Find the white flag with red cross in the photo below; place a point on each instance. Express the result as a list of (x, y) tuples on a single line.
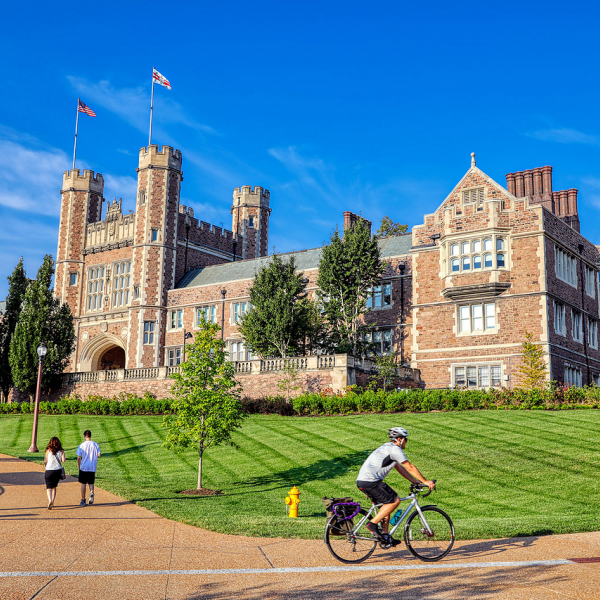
[(160, 79)]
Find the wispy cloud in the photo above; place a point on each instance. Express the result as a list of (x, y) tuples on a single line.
[(133, 104), (591, 191), (120, 186), (565, 136)]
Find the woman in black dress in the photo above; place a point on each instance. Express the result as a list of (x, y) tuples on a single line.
[(55, 455)]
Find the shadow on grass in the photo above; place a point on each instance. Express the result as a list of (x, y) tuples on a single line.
[(322, 470)]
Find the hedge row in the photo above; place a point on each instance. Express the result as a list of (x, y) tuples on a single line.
[(552, 398), (327, 403)]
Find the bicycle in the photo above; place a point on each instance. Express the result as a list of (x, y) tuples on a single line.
[(428, 532)]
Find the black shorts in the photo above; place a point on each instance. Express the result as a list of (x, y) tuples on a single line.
[(52, 478), (87, 477), (379, 491)]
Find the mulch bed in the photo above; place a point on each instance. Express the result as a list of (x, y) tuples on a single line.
[(201, 492)]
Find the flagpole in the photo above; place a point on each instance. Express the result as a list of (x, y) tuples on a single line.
[(76, 126), (151, 108)]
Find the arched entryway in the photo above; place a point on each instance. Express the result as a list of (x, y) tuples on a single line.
[(103, 352)]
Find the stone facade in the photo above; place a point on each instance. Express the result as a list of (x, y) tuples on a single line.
[(459, 292)]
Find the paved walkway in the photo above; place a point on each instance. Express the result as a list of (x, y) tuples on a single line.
[(118, 550)]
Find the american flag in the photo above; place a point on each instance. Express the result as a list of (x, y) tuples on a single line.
[(85, 109), (160, 79)]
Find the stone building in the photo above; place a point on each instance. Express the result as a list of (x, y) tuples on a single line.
[(459, 293)]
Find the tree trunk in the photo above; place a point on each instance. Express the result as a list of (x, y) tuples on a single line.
[(200, 471), (31, 398)]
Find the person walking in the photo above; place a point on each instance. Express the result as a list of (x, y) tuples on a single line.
[(87, 461), (53, 460)]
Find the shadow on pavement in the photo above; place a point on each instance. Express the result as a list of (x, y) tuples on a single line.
[(441, 584)]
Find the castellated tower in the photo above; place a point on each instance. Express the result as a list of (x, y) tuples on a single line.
[(154, 252), (81, 205), (250, 219)]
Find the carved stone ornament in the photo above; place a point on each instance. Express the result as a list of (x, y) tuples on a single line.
[(84, 336), (124, 332), (104, 327)]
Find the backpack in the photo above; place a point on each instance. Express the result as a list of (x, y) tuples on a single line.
[(338, 526)]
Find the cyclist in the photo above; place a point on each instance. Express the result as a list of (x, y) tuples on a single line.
[(376, 468)]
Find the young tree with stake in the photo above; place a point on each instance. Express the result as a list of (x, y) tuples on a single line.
[(206, 405)]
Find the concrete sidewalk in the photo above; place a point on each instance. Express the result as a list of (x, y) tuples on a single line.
[(118, 550)]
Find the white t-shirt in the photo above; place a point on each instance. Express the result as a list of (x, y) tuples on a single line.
[(53, 462), (89, 452)]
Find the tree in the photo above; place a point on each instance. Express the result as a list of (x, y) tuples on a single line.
[(349, 267), (316, 328), (206, 405), (42, 319), (533, 371), (388, 228), (288, 383), (276, 323), (17, 285), (386, 369)]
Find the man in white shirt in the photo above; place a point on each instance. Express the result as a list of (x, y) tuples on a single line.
[(87, 461)]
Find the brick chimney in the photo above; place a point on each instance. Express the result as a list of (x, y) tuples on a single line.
[(536, 184), (350, 219)]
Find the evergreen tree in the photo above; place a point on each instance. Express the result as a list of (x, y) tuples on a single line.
[(206, 405), (42, 319), (17, 285), (276, 323), (388, 228), (533, 371), (349, 267)]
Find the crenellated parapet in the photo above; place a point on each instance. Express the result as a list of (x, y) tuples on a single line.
[(74, 179), (205, 233), (168, 157)]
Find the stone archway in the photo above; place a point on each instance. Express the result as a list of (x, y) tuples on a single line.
[(100, 351)]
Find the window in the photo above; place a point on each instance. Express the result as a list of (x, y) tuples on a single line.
[(136, 292), (143, 198), (566, 266), (379, 296), (72, 278), (573, 376), (95, 288), (148, 332), (590, 281), (208, 313), (174, 357), (121, 281), (240, 309), (577, 325), (593, 333), (476, 317), (478, 376), (176, 319), (560, 322), (474, 196), (154, 235), (380, 341), (467, 256), (251, 222)]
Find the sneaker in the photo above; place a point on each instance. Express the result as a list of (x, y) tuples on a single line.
[(50, 505), (82, 503), (396, 542), (91, 500), (374, 529)]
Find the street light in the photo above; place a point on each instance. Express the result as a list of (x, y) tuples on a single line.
[(41, 352)]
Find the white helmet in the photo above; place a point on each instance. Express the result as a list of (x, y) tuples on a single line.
[(397, 432)]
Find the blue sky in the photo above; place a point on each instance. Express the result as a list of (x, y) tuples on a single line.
[(331, 105)]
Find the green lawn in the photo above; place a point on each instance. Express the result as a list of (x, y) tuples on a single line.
[(500, 473)]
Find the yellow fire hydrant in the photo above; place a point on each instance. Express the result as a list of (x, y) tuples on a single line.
[(292, 500)]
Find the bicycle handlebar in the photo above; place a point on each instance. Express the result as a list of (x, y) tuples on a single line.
[(418, 487)]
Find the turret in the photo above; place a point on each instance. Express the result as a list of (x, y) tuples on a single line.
[(250, 219), (81, 205), (154, 250)]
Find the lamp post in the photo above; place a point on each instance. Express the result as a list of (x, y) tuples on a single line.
[(223, 294), (186, 336), (41, 352)]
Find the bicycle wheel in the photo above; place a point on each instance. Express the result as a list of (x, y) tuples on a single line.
[(353, 547), (433, 543)]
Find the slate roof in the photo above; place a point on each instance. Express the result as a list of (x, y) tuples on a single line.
[(305, 260)]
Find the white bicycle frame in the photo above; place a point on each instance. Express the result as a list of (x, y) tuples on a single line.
[(375, 507)]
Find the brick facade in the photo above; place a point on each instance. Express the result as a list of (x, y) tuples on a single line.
[(459, 292)]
